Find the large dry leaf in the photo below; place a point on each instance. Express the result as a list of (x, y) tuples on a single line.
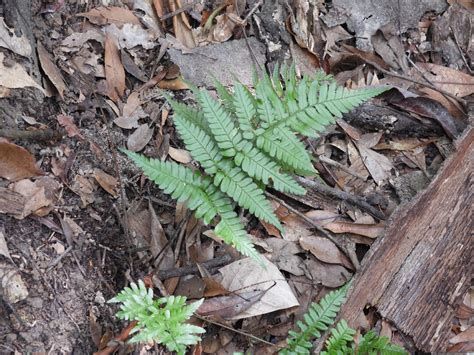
[(182, 32), (104, 15), (12, 286), (15, 77), (366, 230), (51, 70), (132, 111), (140, 138), (114, 72), (9, 40), (448, 79), (328, 275), (16, 162), (247, 275), (229, 307), (158, 242), (378, 165), (107, 182), (40, 195), (130, 36), (325, 250)]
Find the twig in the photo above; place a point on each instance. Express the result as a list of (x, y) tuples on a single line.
[(314, 225), (341, 195), (193, 269), (40, 134), (460, 51), (180, 10), (340, 166), (236, 331)]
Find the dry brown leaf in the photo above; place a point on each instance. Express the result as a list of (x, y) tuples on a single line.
[(181, 31), (160, 7), (378, 165), (51, 70), (240, 276), (158, 242), (104, 15), (85, 188), (68, 123), (40, 196), (16, 162), (465, 336), (229, 307), (180, 155), (9, 40), (367, 230), (223, 29), (328, 275), (114, 72), (174, 84), (140, 138), (15, 77), (325, 250), (447, 79), (107, 182), (131, 112)]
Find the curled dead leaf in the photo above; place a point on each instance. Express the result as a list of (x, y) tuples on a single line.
[(114, 72), (180, 155), (106, 181), (16, 162), (140, 138)]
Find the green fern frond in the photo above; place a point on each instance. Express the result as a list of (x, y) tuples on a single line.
[(318, 318), (245, 110), (371, 343), (200, 196), (342, 335), (230, 179), (161, 320)]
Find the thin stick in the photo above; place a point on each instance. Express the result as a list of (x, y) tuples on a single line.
[(340, 166), (314, 225), (237, 331), (193, 269), (40, 134)]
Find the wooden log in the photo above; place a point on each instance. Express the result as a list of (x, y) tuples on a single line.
[(419, 270)]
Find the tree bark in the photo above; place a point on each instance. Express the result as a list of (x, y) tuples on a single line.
[(417, 272)]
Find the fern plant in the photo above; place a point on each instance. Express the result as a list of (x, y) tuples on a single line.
[(320, 317), (247, 141), (162, 320)]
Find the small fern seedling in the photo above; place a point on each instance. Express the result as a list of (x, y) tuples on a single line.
[(247, 141), (162, 320)]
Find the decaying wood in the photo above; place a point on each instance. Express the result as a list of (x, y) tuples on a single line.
[(417, 272), (11, 202)]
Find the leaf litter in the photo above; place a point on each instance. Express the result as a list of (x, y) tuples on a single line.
[(118, 48)]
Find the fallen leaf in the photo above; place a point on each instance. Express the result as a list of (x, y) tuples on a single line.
[(16, 162), (180, 155), (229, 307), (181, 31), (378, 165), (447, 79), (174, 84), (148, 15), (366, 230), (15, 76), (246, 274), (140, 138), (12, 286), (130, 36), (158, 242), (107, 182), (223, 29), (131, 67), (76, 41), (40, 195), (51, 70), (3, 247), (104, 15), (68, 123), (85, 188), (9, 39), (131, 112), (329, 275), (465, 336), (114, 72), (325, 250)]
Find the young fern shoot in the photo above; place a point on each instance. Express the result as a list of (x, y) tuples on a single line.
[(246, 142)]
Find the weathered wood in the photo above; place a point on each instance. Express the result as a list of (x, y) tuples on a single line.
[(417, 272)]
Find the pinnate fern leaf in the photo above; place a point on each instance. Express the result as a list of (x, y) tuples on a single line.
[(318, 318), (341, 336), (162, 320), (371, 343)]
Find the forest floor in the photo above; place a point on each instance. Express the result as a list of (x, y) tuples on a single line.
[(78, 221)]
